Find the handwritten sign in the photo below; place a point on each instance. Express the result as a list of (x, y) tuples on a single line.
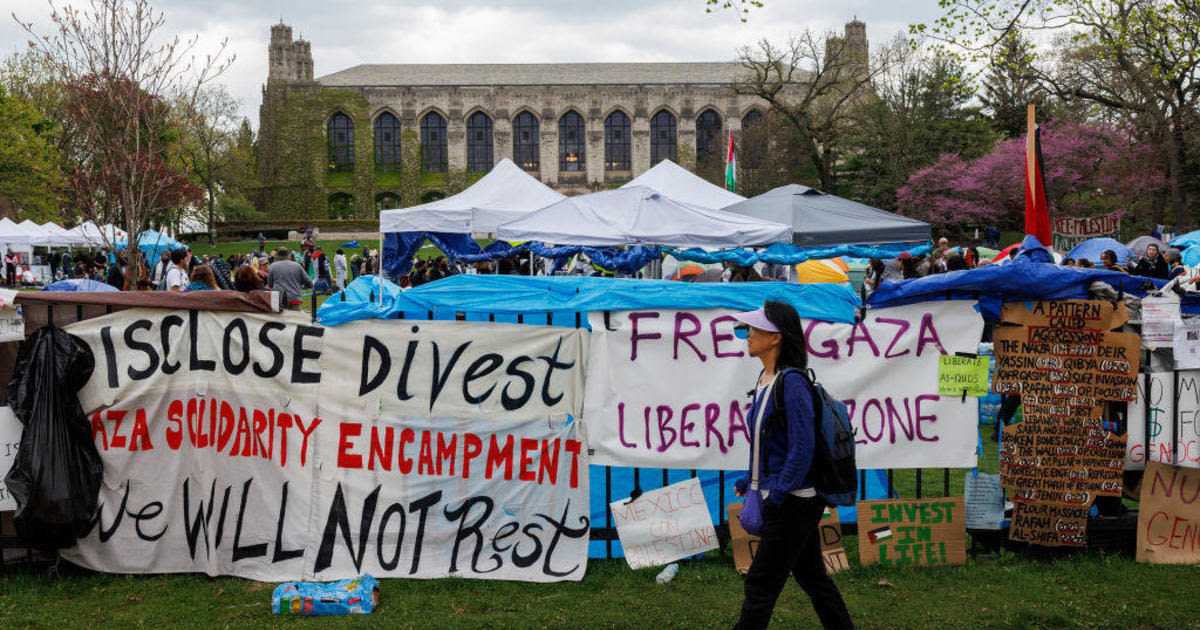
[(1067, 232), (667, 388), (917, 532), (235, 444), (664, 525), (962, 376), (10, 440), (1064, 362), (829, 533), (1168, 530)]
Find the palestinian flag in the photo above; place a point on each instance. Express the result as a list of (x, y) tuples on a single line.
[(1037, 209), (882, 533), (731, 167)]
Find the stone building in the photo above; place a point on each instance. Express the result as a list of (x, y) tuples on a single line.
[(381, 136)]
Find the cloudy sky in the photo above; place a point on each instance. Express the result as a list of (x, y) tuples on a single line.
[(346, 33)]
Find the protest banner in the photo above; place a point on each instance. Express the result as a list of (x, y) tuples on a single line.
[(1159, 414), (962, 376), (10, 441), (227, 450), (1067, 232), (829, 533), (664, 525), (904, 532), (1064, 362), (1168, 529), (669, 388)]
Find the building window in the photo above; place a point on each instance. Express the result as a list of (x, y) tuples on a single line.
[(708, 139), (663, 141), (386, 201), (616, 142), (341, 206), (341, 144), (526, 144), (571, 146), (387, 143), (479, 143), (433, 143), (751, 118)]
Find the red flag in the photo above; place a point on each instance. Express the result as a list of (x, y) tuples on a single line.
[(1037, 210)]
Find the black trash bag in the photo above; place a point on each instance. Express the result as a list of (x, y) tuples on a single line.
[(55, 478)]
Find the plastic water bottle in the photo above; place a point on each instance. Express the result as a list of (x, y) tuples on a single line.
[(667, 574)]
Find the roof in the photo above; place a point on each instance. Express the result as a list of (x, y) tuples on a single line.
[(464, 74)]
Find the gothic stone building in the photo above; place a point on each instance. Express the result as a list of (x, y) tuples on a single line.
[(372, 137)]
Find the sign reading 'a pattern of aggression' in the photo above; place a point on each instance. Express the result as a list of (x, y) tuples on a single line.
[(905, 532), (1064, 362)]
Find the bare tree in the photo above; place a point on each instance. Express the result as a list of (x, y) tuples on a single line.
[(817, 84), (207, 151), (123, 80)]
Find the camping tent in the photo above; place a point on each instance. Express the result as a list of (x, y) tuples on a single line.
[(1093, 247), (637, 216), (680, 184), (504, 194), (1140, 244), (153, 244), (819, 219)]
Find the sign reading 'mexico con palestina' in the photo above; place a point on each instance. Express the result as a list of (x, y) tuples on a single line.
[(1063, 360), (265, 447)]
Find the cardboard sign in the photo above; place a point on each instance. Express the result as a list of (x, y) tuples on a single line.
[(667, 388), (10, 441), (829, 532), (962, 376), (1065, 363), (664, 525), (1168, 530), (904, 532)]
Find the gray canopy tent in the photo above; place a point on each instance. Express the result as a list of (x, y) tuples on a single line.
[(820, 220)]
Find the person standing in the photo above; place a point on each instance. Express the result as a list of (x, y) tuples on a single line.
[(10, 268), (289, 278), (178, 275), (340, 268), (784, 440)]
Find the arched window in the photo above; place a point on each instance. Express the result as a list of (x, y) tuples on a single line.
[(708, 139), (341, 206), (751, 118), (526, 145), (387, 143), (572, 150), (341, 144), (386, 201), (479, 143), (616, 142), (432, 195), (663, 141), (433, 143)]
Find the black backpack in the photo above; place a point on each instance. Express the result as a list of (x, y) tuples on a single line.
[(833, 472)]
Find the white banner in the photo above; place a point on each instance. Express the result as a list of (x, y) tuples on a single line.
[(10, 441), (1173, 416), (670, 388), (664, 525), (229, 448)]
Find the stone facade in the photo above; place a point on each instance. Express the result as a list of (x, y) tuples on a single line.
[(298, 179)]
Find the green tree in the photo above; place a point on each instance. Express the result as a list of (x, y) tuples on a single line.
[(30, 177)]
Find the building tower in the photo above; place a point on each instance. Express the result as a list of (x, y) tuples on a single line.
[(856, 41), (289, 60)]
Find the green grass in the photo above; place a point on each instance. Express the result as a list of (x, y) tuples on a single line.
[(1083, 591)]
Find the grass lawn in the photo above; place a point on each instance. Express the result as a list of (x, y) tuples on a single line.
[(1082, 591)]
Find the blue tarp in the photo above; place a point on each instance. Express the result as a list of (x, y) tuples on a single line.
[(79, 284), (996, 284), (788, 254), (1191, 256), (399, 248), (1093, 247), (153, 244), (1186, 240), (359, 300), (562, 294)]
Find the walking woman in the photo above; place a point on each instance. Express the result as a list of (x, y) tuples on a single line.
[(784, 448)]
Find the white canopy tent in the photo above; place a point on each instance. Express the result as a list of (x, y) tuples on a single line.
[(67, 237), (42, 237), (13, 237), (92, 235), (505, 194), (640, 216), (680, 184)]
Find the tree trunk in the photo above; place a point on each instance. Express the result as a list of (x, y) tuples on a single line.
[(1176, 162)]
